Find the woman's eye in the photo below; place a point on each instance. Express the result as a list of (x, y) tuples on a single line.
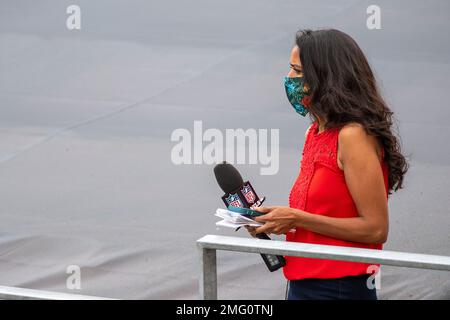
[(296, 70)]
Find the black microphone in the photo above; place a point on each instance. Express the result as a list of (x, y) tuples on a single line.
[(241, 194)]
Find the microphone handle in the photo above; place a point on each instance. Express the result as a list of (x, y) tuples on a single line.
[(272, 262)]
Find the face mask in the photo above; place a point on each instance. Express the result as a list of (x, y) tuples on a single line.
[(297, 94)]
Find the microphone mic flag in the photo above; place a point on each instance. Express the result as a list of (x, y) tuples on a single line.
[(237, 192), (241, 194)]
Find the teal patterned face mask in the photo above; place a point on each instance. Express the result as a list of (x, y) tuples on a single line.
[(297, 94)]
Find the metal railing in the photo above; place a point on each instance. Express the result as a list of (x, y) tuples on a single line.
[(209, 244), (14, 293)]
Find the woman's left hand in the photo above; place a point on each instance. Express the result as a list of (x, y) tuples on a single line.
[(278, 219)]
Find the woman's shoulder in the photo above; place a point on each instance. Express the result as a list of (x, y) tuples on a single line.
[(354, 133), (352, 129)]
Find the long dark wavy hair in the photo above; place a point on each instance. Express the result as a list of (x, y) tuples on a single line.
[(343, 89)]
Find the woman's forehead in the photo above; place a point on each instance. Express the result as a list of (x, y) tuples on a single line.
[(295, 55)]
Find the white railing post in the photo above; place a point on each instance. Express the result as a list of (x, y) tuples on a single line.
[(208, 273)]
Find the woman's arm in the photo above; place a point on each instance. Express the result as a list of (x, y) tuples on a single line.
[(365, 182)]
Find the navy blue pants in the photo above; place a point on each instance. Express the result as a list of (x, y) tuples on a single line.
[(346, 288)]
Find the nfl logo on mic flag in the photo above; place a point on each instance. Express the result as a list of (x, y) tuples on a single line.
[(243, 197), (233, 200), (249, 194)]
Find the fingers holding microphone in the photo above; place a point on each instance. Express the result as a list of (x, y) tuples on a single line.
[(251, 230)]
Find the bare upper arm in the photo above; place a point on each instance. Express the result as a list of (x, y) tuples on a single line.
[(363, 173)]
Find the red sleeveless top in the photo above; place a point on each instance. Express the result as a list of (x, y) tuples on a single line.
[(321, 189)]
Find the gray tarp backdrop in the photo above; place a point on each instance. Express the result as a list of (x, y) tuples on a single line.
[(86, 116)]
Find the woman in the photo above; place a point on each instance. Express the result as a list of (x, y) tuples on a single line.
[(351, 162)]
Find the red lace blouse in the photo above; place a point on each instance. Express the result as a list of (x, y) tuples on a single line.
[(321, 189)]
